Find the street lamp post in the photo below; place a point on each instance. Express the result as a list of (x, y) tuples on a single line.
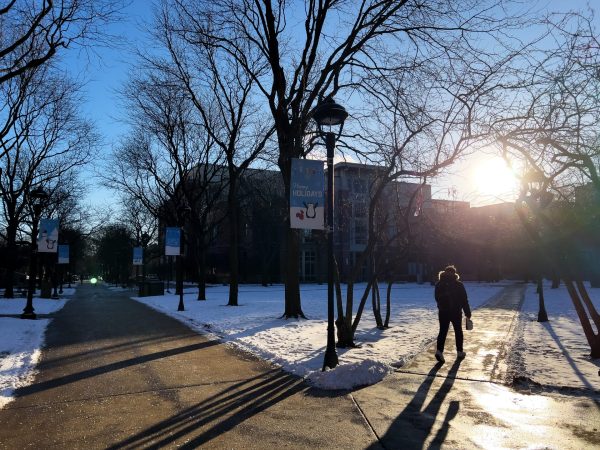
[(182, 213), (537, 198), (145, 239), (330, 114), (38, 198)]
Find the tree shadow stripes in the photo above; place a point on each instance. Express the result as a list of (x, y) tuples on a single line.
[(221, 412)]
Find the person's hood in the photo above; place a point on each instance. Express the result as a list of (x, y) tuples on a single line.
[(448, 276)]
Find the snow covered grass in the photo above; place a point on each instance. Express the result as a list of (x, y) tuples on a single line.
[(21, 341), (555, 352), (298, 345)]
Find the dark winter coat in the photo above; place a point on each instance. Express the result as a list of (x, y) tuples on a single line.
[(451, 295)]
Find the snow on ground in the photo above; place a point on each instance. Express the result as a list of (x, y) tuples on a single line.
[(298, 345), (21, 341), (556, 352)]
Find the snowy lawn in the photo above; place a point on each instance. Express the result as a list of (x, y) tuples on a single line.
[(21, 341), (298, 345), (555, 352)]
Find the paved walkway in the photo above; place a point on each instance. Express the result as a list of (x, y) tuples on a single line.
[(465, 403), (116, 374)]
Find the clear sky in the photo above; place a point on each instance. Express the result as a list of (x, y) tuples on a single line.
[(105, 70)]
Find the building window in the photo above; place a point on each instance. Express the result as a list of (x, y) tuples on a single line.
[(307, 236), (359, 186), (308, 266), (360, 232)]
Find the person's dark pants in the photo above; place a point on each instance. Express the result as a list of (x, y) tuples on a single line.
[(445, 320)]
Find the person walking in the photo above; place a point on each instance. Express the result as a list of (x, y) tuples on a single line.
[(451, 299)]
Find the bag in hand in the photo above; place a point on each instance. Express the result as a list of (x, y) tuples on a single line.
[(469, 324)]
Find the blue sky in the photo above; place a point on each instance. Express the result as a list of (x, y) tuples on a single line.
[(105, 70)]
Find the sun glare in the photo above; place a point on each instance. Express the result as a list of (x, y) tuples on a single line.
[(493, 178)]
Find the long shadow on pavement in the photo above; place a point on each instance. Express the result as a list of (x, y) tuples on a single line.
[(71, 378), (217, 414), (414, 424)]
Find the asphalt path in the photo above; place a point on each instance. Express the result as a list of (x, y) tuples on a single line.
[(117, 374)]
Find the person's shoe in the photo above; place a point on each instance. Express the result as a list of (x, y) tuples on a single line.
[(460, 355), (439, 356)]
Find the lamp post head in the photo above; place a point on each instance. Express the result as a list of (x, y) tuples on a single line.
[(38, 195), (329, 113), (535, 186), (38, 198), (183, 212)]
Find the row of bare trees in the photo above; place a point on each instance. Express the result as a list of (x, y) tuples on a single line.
[(235, 82), (550, 130), (44, 140)]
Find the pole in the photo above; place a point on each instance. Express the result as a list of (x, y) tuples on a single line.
[(28, 311), (331, 358), (179, 287), (60, 279)]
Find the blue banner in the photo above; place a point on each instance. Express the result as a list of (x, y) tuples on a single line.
[(63, 254), (172, 239), (307, 194), (47, 241), (138, 256)]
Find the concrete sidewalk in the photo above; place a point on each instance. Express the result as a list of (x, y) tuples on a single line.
[(467, 403)]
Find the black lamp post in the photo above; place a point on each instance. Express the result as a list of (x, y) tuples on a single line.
[(182, 214), (145, 240), (38, 198), (537, 198), (329, 114)]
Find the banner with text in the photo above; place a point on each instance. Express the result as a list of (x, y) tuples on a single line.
[(48, 236), (307, 196), (172, 237), (63, 254), (138, 256)]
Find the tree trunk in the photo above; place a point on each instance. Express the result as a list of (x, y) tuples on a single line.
[(9, 280), (201, 275), (588, 302), (592, 338), (542, 315), (11, 253), (555, 280), (375, 300), (233, 243), (347, 327), (293, 305), (388, 303)]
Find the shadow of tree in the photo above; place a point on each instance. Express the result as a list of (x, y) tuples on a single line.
[(218, 413), (413, 425), (78, 376)]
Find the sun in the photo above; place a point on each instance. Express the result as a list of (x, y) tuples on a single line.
[(493, 178)]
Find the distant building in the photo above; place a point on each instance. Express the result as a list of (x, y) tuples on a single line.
[(419, 235)]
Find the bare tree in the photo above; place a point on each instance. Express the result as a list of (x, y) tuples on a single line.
[(170, 161), (32, 33), (44, 147), (222, 93), (328, 48), (550, 130)]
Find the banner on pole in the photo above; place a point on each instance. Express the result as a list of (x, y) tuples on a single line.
[(63, 254), (172, 239), (307, 196), (138, 256), (48, 236)]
